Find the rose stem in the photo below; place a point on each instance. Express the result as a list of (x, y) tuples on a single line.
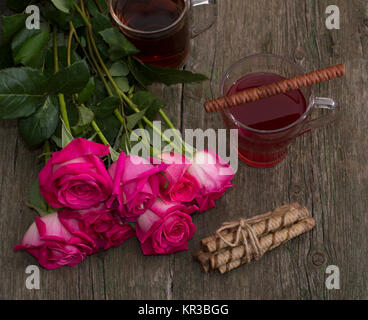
[(63, 111), (68, 59), (98, 70), (117, 89), (47, 151)]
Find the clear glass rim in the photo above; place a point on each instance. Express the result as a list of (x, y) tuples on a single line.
[(260, 55), (141, 32)]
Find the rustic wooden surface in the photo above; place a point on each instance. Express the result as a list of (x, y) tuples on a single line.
[(325, 170)]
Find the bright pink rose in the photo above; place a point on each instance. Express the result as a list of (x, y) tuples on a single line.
[(118, 234), (165, 228), (177, 185), (76, 177), (103, 225), (214, 176), (53, 245), (135, 185)]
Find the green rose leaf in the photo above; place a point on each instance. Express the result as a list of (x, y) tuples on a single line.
[(86, 116), (62, 55), (122, 83), (21, 37), (36, 201), (106, 107), (114, 154), (119, 69), (110, 128), (11, 25), (63, 5), (31, 49), (119, 45), (41, 125), (87, 92), (66, 136), (22, 92), (92, 8), (146, 74), (133, 119), (70, 80), (148, 100), (100, 22)]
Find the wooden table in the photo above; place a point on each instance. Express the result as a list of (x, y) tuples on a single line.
[(326, 170)]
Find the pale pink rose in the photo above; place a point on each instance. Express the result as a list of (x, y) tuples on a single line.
[(102, 224), (214, 176), (135, 185), (53, 245), (76, 177), (176, 184), (165, 228)]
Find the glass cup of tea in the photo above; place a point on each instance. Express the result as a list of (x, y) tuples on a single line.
[(160, 29), (267, 127)]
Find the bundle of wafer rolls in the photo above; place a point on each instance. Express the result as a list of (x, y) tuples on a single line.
[(241, 241)]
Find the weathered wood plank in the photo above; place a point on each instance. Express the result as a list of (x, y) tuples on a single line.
[(321, 170)]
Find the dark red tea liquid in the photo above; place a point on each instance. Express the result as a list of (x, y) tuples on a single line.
[(167, 48), (268, 114), (267, 148)]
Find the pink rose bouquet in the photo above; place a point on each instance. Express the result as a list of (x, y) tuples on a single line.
[(98, 204)]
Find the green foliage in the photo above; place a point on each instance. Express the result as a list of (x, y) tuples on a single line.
[(21, 92), (147, 100), (119, 45), (32, 92), (72, 79), (147, 74), (41, 125), (11, 25), (87, 92), (63, 5), (36, 201)]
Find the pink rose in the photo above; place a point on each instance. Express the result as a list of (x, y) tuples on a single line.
[(118, 234), (176, 184), (165, 228), (135, 185), (76, 177), (53, 245), (103, 225), (214, 176)]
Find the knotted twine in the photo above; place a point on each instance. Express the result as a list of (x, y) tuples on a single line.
[(245, 230)]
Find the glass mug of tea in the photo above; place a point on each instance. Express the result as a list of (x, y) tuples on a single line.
[(267, 127), (160, 29)]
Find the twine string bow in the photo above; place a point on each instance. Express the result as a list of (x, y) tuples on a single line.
[(244, 231)]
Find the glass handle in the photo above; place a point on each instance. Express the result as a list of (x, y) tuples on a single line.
[(323, 103), (213, 17)]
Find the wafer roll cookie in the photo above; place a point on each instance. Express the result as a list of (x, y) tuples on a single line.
[(271, 241), (278, 218), (204, 260)]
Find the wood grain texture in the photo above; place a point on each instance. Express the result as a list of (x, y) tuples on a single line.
[(326, 170)]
